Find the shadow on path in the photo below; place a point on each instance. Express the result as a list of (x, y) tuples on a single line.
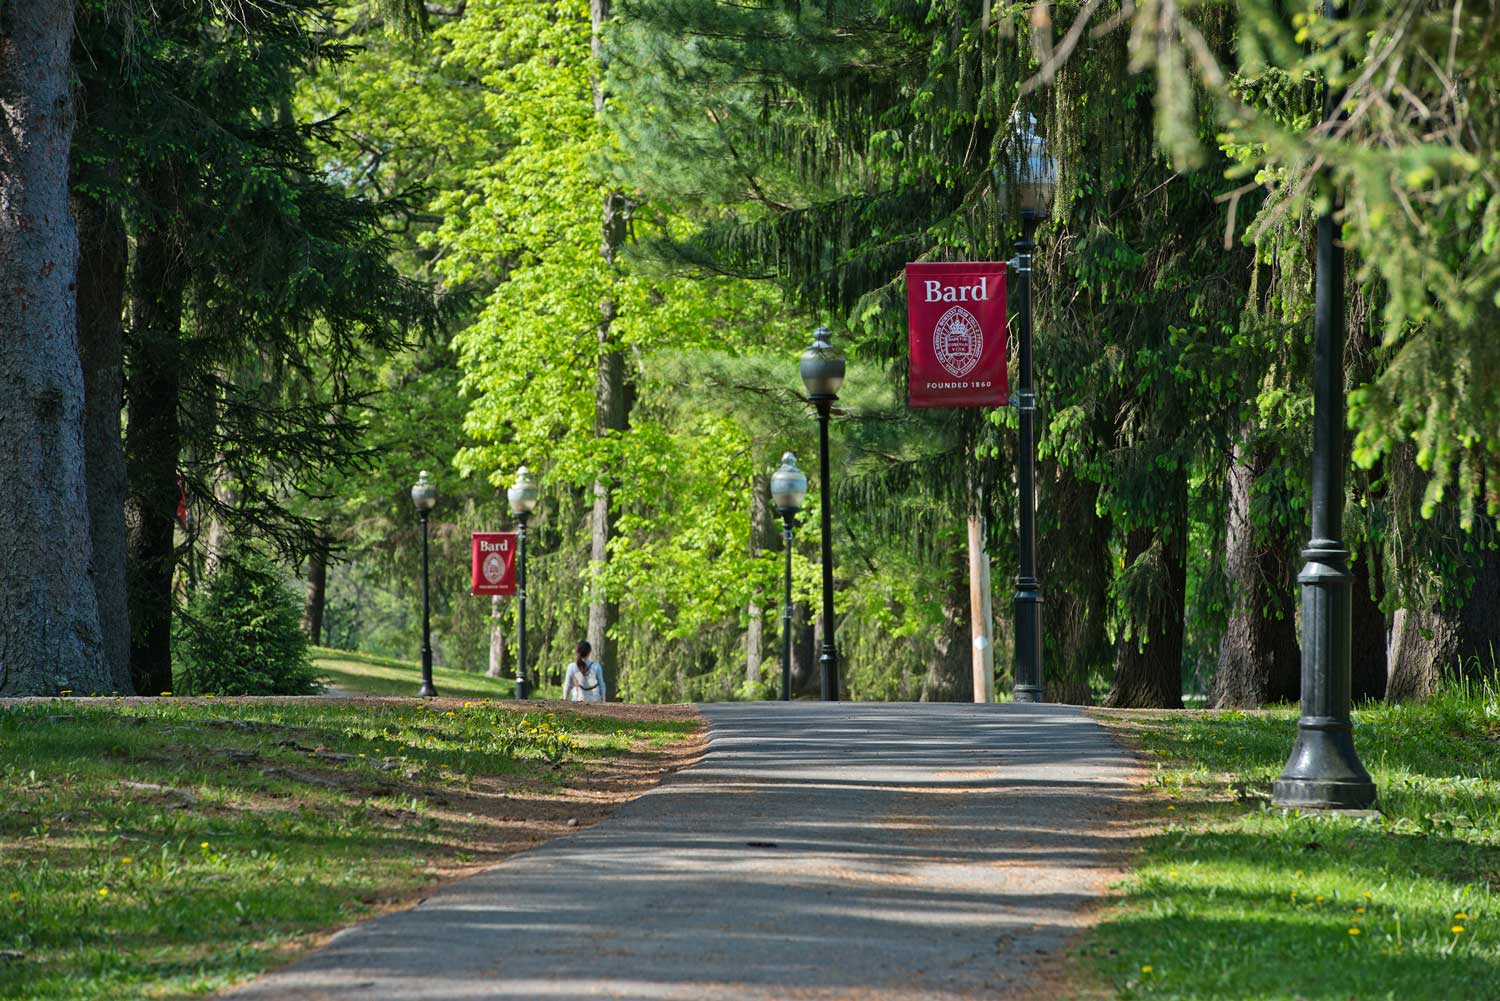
[(819, 851)]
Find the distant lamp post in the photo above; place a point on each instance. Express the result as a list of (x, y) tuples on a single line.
[(1324, 770), (788, 488), (1035, 185), (424, 496), (822, 374), (523, 496)]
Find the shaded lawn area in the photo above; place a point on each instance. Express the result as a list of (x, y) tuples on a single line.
[(1236, 900), (171, 848), (364, 674)]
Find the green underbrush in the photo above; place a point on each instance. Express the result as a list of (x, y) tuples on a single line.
[(1235, 899), (172, 848)]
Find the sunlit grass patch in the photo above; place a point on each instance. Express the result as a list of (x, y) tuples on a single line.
[(1235, 899)]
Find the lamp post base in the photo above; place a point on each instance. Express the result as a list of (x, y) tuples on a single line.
[(426, 691), (1324, 772), (1026, 693)]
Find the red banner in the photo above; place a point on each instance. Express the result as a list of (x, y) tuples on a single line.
[(956, 319), (494, 563)]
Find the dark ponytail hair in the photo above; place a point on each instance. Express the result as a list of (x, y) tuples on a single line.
[(583, 650)]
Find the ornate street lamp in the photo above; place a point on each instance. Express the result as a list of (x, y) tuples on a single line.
[(822, 374), (424, 496), (523, 496), (788, 488), (1324, 770), (1035, 185)]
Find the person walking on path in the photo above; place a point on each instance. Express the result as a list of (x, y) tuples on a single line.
[(584, 681)]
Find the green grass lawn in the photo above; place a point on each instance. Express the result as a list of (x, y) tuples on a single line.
[(1236, 900), (368, 675), (171, 848)]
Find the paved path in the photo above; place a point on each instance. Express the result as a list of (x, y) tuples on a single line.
[(859, 851)]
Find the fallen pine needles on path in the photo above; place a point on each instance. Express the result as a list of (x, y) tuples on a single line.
[(165, 847)]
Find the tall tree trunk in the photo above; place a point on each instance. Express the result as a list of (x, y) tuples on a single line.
[(762, 537), (806, 645), (981, 612), (950, 675), (1369, 632), (611, 403), (317, 591), (1434, 644), (151, 453), (499, 651), (101, 304), (49, 617), (1259, 660), (1075, 548), (1148, 668)]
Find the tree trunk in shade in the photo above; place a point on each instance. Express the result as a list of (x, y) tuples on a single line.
[(763, 536), (1429, 646), (1369, 632), (152, 446), (101, 304), (1148, 670), (1259, 659), (317, 592), (499, 648), (49, 614), (950, 674), (1074, 545)]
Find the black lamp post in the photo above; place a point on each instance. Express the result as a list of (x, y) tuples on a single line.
[(823, 373), (788, 488), (424, 496), (1038, 178), (523, 496), (1324, 770)]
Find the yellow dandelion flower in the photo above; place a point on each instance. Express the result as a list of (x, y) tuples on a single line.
[(203, 844), (1299, 872), (103, 891), (1460, 916), (1173, 874), (1368, 895), (1171, 808), (1457, 929), (361, 755), (1146, 969), (15, 897), (1353, 931), (1359, 910), (126, 860), (1319, 898)]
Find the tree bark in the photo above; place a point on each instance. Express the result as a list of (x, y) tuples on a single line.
[(49, 618), (763, 536), (806, 645), (1369, 632), (611, 403), (1075, 547), (317, 592), (152, 444), (1259, 659), (1148, 667), (950, 675), (1429, 646), (499, 650), (981, 613), (101, 304)]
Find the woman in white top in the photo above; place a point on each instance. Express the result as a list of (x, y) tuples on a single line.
[(584, 681)]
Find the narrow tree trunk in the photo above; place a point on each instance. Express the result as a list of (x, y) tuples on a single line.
[(806, 645), (1074, 557), (49, 617), (1431, 645), (762, 537), (317, 592), (1259, 660), (1369, 632), (151, 453), (499, 651), (101, 303), (611, 405), (950, 676), (981, 614), (1148, 669)]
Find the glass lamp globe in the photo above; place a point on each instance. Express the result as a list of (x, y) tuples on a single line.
[(524, 493), (788, 486), (424, 493), (822, 367)]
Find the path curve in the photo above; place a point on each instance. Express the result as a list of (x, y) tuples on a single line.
[(819, 851)]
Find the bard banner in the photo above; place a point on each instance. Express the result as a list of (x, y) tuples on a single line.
[(494, 563), (956, 317)]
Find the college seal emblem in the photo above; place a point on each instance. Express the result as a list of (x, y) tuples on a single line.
[(494, 568), (958, 341)]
